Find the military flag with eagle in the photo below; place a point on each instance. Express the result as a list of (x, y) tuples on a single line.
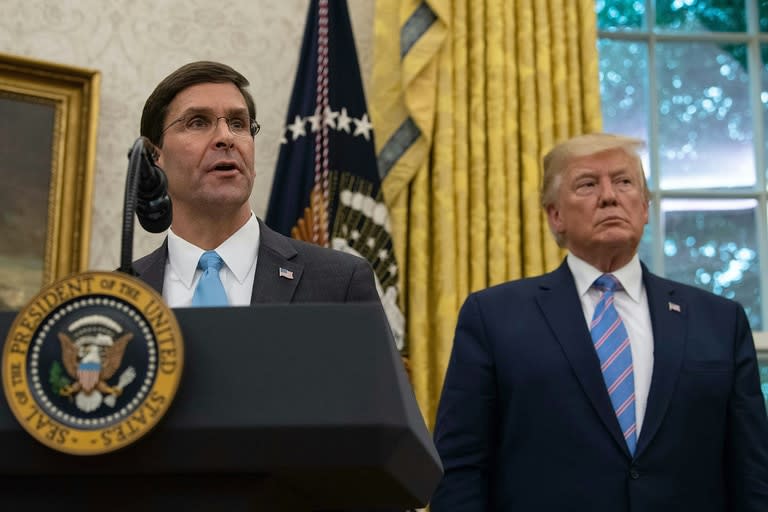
[(327, 188)]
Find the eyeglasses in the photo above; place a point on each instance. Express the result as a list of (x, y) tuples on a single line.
[(205, 124)]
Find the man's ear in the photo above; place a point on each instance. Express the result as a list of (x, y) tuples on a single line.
[(150, 148), (157, 155), (645, 213), (554, 218)]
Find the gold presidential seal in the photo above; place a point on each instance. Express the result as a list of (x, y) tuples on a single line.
[(92, 363)]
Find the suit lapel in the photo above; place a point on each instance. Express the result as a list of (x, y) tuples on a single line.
[(151, 268), (275, 253), (668, 320), (559, 301)]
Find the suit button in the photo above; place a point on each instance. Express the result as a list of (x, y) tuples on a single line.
[(634, 474)]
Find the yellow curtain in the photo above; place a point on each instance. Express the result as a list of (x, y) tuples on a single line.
[(467, 96)]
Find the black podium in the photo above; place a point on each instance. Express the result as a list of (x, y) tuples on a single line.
[(300, 407)]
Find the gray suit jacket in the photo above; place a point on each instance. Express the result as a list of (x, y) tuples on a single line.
[(319, 274)]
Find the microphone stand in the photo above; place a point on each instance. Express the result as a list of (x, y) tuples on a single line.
[(135, 155)]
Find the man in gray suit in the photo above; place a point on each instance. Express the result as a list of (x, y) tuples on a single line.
[(202, 121)]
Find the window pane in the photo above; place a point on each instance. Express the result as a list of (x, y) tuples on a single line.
[(620, 14), (701, 15), (712, 244), (762, 6), (705, 120), (645, 250), (764, 91), (763, 360), (624, 89)]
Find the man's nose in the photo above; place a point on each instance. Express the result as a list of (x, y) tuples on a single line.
[(223, 136), (607, 192)]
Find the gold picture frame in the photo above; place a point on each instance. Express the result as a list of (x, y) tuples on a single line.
[(48, 122)]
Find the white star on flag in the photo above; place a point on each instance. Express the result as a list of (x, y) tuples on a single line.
[(330, 117), (363, 127), (314, 120), (297, 127), (344, 120)]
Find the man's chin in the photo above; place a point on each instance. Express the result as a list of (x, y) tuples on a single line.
[(621, 240), (223, 201)]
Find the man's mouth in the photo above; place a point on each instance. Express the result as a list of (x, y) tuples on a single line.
[(225, 166), (610, 220)]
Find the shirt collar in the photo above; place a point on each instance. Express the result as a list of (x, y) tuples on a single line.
[(238, 252), (630, 276)]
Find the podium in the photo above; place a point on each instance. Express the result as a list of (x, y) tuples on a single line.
[(280, 407)]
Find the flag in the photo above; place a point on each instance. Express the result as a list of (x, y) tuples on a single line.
[(326, 188)]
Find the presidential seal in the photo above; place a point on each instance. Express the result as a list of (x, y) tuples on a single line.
[(92, 363)]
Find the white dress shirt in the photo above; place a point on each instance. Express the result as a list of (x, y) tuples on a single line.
[(632, 305), (239, 253)]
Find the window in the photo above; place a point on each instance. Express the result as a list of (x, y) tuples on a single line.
[(691, 78), (763, 363)]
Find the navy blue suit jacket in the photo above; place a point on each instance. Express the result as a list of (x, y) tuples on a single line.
[(525, 422)]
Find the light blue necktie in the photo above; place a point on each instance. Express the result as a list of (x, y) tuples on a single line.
[(210, 291), (612, 345)]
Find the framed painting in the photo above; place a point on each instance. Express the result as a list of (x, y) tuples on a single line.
[(48, 121)]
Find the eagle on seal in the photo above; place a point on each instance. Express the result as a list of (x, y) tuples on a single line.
[(91, 360)]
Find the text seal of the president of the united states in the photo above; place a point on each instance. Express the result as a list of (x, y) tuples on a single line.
[(92, 362)]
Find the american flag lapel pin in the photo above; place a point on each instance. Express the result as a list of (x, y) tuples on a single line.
[(284, 272), (674, 307)]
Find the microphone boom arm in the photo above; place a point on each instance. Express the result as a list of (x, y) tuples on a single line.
[(146, 195)]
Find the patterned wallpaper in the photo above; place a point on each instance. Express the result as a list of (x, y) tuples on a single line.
[(135, 43)]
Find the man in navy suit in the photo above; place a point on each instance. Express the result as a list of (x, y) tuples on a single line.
[(535, 415)]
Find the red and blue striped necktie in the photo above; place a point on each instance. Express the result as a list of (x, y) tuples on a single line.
[(612, 345)]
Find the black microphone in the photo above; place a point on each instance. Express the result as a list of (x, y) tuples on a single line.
[(153, 205)]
